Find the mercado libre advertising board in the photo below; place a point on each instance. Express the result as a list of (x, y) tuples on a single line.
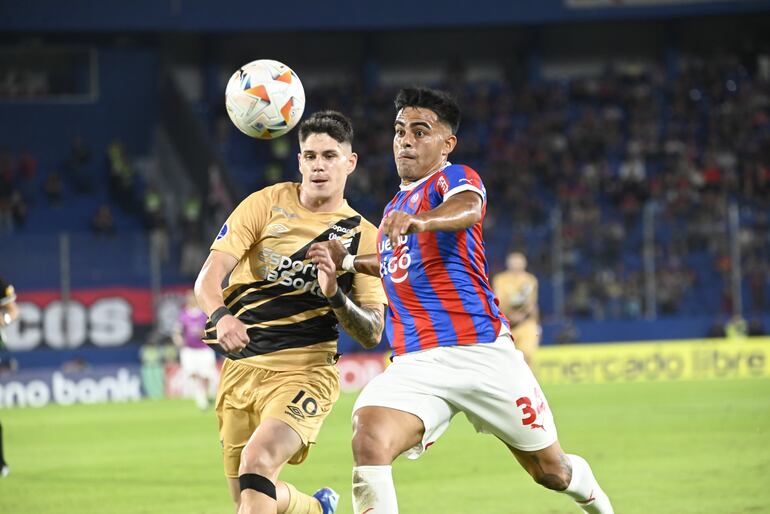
[(662, 360)]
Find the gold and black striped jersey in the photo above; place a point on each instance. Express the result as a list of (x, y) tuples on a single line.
[(273, 288)]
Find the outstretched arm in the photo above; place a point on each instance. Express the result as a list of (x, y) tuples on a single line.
[(367, 264), (457, 213), (365, 322)]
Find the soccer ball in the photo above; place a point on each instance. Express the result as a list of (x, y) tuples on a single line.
[(265, 99)]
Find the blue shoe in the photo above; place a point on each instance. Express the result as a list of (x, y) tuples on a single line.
[(328, 499)]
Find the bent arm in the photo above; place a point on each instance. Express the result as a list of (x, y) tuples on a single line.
[(459, 212), (208, 285)]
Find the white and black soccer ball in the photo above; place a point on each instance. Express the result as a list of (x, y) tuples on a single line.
[(265, 99)]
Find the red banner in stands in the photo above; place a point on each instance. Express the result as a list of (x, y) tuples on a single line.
[(103, 317)]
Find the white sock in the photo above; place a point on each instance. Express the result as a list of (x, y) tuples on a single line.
[(585, 490), (373, 490), (200, 395)]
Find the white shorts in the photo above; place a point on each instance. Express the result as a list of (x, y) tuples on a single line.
[(488, 382), (201, 362)]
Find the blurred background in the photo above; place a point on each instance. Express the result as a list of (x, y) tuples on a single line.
[(625, 146)]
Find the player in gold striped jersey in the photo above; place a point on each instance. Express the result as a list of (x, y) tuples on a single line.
[(276, 320), (517, 290)]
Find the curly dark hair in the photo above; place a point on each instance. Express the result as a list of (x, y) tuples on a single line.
[(440, 102)]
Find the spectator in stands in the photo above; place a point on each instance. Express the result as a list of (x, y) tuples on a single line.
[(78, 166), (7, 175), (756, 271), (6, 216), (191, 216), (53, 189), (27, 176), (121, 176), (193, 252), (19, 209), (219, 201), (103, 223), (155, 221)]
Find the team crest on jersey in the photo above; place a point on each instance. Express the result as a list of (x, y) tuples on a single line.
[(414, 199), (277, 228), (222, 232)]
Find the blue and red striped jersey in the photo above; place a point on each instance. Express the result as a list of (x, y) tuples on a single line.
[(437, 283)]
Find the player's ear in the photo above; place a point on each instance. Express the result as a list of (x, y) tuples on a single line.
[(352, 162), (449, 144)]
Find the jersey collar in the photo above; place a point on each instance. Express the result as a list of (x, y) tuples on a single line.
[(423, 179)]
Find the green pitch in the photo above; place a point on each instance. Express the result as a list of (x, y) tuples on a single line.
[(667, 448)]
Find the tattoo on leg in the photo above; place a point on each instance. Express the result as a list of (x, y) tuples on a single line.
[(555, 482), (566, 467)]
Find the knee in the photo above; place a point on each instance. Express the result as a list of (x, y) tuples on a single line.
[(371, 446), (258, 460), (369, 449)]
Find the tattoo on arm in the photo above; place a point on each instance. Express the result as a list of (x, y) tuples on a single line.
[(363, 323)]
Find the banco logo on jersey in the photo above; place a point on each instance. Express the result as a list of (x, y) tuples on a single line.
[(396, 264)]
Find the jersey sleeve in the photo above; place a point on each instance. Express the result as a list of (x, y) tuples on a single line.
[(366, 288), (244, 225), (458, 178)]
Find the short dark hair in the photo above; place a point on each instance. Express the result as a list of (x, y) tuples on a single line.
[(440, 102), (335, 124)]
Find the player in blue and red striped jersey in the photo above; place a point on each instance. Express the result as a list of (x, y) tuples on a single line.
[(452, 349), (437, 281)]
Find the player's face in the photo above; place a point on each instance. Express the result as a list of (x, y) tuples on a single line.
[(421, 143), (517, 262), (325, 164)]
